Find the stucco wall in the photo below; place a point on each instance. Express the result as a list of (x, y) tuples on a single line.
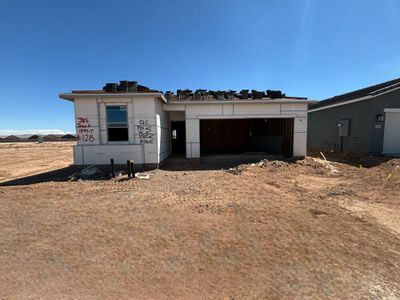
[(195, 112), (101, 154), (323, 130), (87, 121), (149, 127), (378, 105), (366, 134), (163, 132), (93, 146)]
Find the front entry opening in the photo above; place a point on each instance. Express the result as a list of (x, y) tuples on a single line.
[(238, 136), (178, 137)]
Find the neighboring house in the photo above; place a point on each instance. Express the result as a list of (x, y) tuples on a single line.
[(33, 137), (365, 121), (52, 137), (68, 137), (129, 121), (11, 138)]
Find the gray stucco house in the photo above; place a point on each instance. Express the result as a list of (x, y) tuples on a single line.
[(366, 121)]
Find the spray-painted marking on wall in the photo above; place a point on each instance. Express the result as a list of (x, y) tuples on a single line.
[(145, 133), (85, 133)]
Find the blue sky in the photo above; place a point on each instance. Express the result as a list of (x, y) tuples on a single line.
[(311, 48)]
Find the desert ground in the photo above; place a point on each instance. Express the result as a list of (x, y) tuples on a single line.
[(270, 230), (24, 159)]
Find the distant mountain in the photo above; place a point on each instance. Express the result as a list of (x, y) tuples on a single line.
[(33, 137), (27, 136)]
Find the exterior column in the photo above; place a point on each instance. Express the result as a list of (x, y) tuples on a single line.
[(300, 137), (192, 138)]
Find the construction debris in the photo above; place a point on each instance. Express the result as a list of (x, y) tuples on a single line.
[(237, 170), (94, 173), (88, 173), (316, 212), (333, 169), (142, 176), (120, 173)]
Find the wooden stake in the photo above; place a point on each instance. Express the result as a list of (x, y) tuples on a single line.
[(112, 168), (128, 163)]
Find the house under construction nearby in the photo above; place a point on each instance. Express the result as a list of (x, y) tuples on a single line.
[(127, 121)]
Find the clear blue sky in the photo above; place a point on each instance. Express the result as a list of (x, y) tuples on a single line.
[(312, 48)]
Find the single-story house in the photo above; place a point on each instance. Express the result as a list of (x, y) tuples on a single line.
[(11, 138), (68, 137), (127, 121), (366, 121), (52, 137), (34, 137)]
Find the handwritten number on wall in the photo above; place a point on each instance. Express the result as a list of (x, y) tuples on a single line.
[(85, 133)]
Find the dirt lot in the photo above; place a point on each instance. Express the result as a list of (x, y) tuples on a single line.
[(274, 230), (23, 159)]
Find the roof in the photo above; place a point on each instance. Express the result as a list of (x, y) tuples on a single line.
[(139, 89), (126, 89), (68, 136), (122, 90), (72, 96), (358, 94), (53, 136), (235, 98), (238, 100), (11, 137)]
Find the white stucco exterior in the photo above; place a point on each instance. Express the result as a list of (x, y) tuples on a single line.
[(149, 119), (241, 109)]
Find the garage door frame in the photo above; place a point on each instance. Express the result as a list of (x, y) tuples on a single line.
[(288, 151)]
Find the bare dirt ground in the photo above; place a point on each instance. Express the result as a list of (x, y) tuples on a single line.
[(23, 159), (275, 230)]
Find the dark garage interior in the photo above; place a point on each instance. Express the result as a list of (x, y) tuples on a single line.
[(239, 136)]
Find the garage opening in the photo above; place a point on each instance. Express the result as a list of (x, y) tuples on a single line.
[(239, 136)]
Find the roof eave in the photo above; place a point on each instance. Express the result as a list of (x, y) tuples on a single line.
[(235, 101), (350, 101), (333, 102), (73, 96)]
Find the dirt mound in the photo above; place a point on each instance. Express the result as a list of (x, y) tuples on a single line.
[(272, 166), (395, 162), (386, 174), (238, 170), (275, 164), (306, 165)]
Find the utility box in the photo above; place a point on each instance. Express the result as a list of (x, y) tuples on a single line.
[(344, 127)]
